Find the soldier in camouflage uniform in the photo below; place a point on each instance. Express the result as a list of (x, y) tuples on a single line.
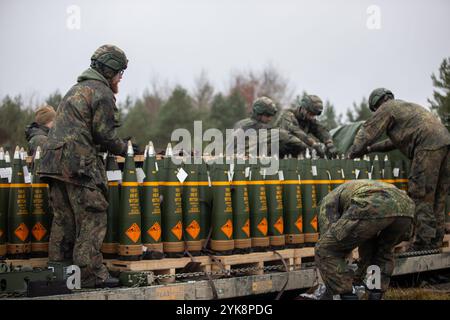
[(301, 122), (72, 163), (36, 133), (420, 136), (371, 215), (264, 109)]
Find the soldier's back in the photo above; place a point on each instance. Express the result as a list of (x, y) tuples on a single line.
[(414, 128)]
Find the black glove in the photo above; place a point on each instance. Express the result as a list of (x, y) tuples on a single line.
[(332, 152)]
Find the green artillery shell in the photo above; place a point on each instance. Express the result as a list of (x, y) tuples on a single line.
[(130, 245), (387, 171), (171, 208), (258, 208), (309, 192), (41, 217), (4, 194), (110, 244), (150, 206), (191, 208), (18, 214), (323, 181), (241, 210), (336, 172), (361, 169), (205, 202), (400, 177), (349, 169), (274, 195), (292, 202), (376, 169), (222, 210)]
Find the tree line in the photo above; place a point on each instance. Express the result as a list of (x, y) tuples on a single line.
[(162, 108)]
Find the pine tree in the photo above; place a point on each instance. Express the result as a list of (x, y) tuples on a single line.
[(360, 112), (441, 97), (328, 117)]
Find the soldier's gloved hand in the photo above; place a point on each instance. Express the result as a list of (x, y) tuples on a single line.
[(320, 149), (332, 152)]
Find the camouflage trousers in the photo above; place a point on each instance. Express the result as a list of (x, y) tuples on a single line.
[(375, 239), (78, 228), (429, 183)]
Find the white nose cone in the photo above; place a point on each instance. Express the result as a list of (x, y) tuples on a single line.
[(151, 149), (145, 151), (314, 154), (37, 155), (2, 154), (169, 151), (307, 154), (386, 158), (130, 151), (17, 153), (7, 157), (376, 158)]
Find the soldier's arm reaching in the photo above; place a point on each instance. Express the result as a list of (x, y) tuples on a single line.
[(104, 123), (383, 146), (371, 130)]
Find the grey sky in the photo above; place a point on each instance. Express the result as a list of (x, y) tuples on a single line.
[(323, 47)]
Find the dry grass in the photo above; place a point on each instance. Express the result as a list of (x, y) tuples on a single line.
[(417, 294)]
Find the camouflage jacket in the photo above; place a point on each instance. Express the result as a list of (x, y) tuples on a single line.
[(410, 128), (309, 131), (85, 124), (364, 199), (36, 135), (288, 144)]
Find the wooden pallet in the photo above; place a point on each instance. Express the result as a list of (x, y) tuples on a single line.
[(30, 263), (170, 266), (256, 260)]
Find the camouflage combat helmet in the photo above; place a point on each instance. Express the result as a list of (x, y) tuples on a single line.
[(110, 56), (264, 106), (376, 96), (311, 103)]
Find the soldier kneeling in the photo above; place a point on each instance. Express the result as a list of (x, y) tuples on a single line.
[(373, 216)]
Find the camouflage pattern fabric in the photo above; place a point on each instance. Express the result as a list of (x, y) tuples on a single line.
[(428, 186), (308, 131), (419, 135), (36, 135), (410, 128), (288, 144), (371, 215), (78, 228), (85, 125)]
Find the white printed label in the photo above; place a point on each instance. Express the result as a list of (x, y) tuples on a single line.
[(26, 175), (314, 171), (396, 172), (357, 173), (182, 175), (247, 172), (114, 175), (156, 166), (209, 179), (230, 175), (280, 175), (140, 175)]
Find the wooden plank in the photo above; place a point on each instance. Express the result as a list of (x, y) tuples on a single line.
[(31, 263), (151, 265), (255, 257)]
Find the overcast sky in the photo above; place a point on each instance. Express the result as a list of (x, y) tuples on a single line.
[(331, 48)]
